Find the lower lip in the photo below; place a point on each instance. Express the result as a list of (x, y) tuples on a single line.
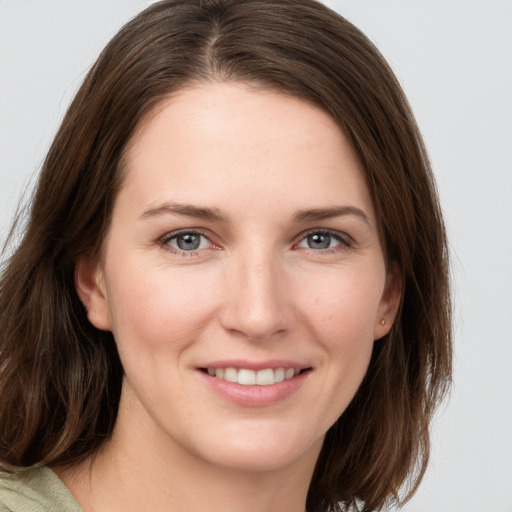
[(255, 396)]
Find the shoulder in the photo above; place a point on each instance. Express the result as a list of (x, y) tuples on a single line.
[(36, 489)]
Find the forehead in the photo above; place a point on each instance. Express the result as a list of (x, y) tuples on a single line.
[(208, 142)]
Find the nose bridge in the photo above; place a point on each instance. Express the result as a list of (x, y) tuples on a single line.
[(256, 303)]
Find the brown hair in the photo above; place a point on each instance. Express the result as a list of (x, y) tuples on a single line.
[(60, 378)]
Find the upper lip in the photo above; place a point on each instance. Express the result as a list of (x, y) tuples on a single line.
[(255, 365)]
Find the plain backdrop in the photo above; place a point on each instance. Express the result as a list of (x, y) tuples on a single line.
[(454, 60)]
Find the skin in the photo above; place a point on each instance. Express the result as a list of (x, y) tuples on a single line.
[(256, 289)]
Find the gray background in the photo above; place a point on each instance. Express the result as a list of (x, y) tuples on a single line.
[(454, 60)]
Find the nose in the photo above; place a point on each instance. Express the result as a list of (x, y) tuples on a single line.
[(256, 305)]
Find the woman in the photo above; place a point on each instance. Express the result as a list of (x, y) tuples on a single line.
[(234, 273)]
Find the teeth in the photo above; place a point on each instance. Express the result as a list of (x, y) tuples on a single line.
[(279, 375), (230, 374), (248, 377), (289, 373), (265, 377)]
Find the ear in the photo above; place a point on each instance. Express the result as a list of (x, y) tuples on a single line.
[(90, 286), (389, 303)]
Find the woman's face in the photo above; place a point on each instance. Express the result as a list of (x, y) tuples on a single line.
[(242, 276)]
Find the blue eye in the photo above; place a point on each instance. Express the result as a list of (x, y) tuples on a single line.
[(187, 241), (322, 240)]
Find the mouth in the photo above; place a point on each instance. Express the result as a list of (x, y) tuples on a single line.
[(249, 377)]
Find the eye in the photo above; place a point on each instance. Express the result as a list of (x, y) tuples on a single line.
[(186, 242), (324, 240)]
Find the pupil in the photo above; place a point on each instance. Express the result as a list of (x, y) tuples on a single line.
[(188, 242), (319, 241)]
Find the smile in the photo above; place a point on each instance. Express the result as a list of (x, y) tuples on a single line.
[(247, 377)]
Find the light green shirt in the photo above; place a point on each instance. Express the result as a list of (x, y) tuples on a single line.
[(36, 489)]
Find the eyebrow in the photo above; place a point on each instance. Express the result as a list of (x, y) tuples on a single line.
[(214, 214), (188, 210), (328, 213)]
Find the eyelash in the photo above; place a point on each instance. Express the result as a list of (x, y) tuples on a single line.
[(345, 241), (165, 241)]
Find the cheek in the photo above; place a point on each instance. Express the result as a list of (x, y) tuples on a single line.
[(157, 306), (341, 312), (343, 304)]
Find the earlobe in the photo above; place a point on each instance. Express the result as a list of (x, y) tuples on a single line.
[(390, 303), (90, 286)]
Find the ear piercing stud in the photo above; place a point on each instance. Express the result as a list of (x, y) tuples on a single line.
[(382, 322)]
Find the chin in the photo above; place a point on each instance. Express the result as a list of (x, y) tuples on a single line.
[(251, 452)]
